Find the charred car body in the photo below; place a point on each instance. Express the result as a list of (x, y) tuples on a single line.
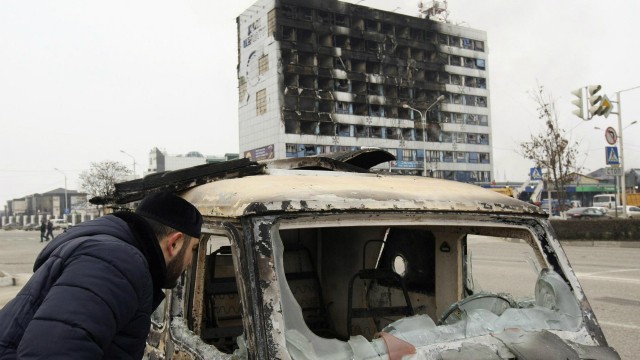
[(317, 258)]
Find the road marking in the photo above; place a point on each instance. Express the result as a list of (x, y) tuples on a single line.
[(609, 278), (609, 272), (614, 324)]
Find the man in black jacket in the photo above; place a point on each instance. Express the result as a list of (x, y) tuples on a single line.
[(95, 286)]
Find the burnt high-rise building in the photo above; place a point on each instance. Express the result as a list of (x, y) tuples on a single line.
[(323, 76)]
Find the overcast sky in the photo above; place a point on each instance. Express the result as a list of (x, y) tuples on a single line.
[(82, 80)]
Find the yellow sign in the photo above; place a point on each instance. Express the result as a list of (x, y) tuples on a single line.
[(605, 106)]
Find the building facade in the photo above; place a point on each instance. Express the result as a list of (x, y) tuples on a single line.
[(160, 160), (51, 203), (321, 76)]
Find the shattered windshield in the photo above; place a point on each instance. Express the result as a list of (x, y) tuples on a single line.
[(363, 290)]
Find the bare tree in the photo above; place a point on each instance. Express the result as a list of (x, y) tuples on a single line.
[(550, 149), (99, 180)]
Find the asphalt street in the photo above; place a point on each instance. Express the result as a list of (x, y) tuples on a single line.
[(610, 277)]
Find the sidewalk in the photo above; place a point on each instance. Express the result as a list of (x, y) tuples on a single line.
[(10, 285)]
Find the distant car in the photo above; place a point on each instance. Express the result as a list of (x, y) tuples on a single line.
[(587, 213), (555, 206), (31, 227), (60, 224), (11, 226), (633, 212)]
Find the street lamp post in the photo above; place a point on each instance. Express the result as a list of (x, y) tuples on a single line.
[(66, 198), (623, 180), (134, 162), (423, 117)]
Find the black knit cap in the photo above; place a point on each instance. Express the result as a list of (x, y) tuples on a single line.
[(173, 211)]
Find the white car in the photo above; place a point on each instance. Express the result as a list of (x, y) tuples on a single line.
[(633, 212), (60, 224)]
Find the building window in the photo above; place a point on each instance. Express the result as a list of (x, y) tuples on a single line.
[(468, 62), (479, 45), (242, 89), (447, 156), (470, 81), (263, 64), (343, 107), (480, 64), (271, 22), (434, 156), (261, 102), (469, 100)]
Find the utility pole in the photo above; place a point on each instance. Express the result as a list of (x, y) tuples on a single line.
[(134, 162), (423, 118), (66, 198)]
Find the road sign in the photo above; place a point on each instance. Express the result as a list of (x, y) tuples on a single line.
[(535, 173), (612, 157), (613, 171), (606, 106), (611, 135)]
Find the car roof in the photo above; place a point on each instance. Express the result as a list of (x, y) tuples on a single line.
[(330, 183)]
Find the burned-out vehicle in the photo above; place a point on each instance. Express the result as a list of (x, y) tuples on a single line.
[(320, 258)]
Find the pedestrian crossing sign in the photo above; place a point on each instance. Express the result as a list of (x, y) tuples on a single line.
[(535, 173), (612, 155)]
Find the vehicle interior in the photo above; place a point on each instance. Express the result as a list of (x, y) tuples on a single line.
[(344, 281)]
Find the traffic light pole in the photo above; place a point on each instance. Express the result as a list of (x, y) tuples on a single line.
[(623, 180)]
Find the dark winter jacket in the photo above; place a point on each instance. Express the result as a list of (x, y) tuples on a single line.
[(91, 295)]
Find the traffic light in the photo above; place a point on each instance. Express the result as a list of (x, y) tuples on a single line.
[(604, 107), (579, 102), (594, 100)]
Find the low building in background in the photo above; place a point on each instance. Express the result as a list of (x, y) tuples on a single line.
[(160, 160)]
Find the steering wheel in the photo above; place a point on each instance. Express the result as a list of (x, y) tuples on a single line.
[(495, 303)]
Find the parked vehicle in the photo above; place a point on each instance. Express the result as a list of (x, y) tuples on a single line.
[(633, 212), (587, 213), (11, 226), (318, 258), (31, 227), (555, 206), (605, 200), (60, 224)]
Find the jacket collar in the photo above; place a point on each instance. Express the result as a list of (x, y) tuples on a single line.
[(146, 241)]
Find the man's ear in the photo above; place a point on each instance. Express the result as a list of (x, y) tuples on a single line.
[(173, 243)]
